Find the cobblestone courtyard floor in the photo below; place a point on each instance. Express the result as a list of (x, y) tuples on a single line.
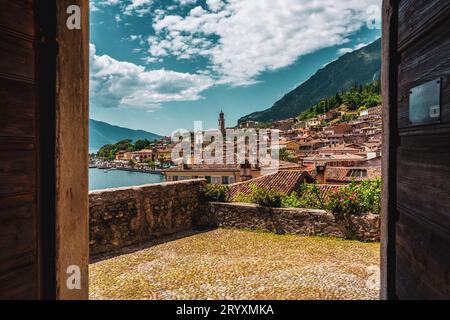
[(231, 264)]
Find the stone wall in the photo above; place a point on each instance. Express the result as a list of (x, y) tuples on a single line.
[(125, 216), (304, 222)]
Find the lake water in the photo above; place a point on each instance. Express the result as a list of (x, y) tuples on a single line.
[(98, 179)]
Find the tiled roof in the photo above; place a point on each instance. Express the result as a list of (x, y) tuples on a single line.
[(336, 157), (337, 173), (283, 181), (339, 147)]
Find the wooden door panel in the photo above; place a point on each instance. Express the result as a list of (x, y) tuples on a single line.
[(422, 248), (17, 172), (422, 229), (413, 16), (19, 214), (17, 110), (18, 16), (19, 283), (17, 57), (423, 177), (18, 220), (427, 59)]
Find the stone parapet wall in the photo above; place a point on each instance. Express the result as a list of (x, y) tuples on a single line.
[(126, 216), (304, 222)]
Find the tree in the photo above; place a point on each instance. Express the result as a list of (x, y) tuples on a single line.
[(286, 155), (141, 144), (338, 99), (108, 152), (152, 164)]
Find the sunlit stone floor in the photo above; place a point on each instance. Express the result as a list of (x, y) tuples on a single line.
[(231, 264)]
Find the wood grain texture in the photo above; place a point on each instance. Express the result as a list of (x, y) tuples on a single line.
[(422, 234), (18, 152), (428, 59), (417, 17), (17, 17), (17, 58), (422, 249), (19, 283), (389, 96), (72, 232), (17, 239), (18, 109)]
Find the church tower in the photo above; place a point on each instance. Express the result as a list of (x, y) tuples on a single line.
[(222, 122)]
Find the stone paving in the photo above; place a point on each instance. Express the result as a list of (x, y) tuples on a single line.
[(235, 264)]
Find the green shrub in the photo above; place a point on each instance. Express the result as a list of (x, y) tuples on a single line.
[(214, 193), (267, 198), (354, 199), (293, 201), (344, 202), (261, 196), (369, 194), (308, 196), (243, 198), (357, 198)]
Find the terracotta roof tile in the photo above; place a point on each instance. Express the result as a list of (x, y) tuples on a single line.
[(282, 181)]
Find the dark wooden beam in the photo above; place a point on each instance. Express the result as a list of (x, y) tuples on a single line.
[(389, 80), (46, 124), (72, 117)]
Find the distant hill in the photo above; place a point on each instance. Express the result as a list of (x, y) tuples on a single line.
[(101, 133), (360, 67)]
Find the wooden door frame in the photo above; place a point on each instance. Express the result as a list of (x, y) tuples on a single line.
[(389, 82), (63, 64), (72, 121), (71, 148)]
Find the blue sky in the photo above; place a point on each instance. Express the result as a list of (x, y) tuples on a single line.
[(159, 65)]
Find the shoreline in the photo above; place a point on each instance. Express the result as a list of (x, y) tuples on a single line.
[(158, 172), (141, 171)]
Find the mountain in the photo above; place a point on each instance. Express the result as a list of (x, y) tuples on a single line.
[(101, 133), (360, 67)]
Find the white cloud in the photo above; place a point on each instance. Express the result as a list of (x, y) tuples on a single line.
[(105, 3), (343, 51), (123, 84), (215, 5), (361, 45), (186, 2), (138, 7), (137, 38), (131, 7), (93, 7), (243, 38)]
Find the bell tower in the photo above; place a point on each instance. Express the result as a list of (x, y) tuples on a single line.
[(222, 122)]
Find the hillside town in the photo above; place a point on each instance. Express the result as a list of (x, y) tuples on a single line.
[(325, 149), (329, 150)]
